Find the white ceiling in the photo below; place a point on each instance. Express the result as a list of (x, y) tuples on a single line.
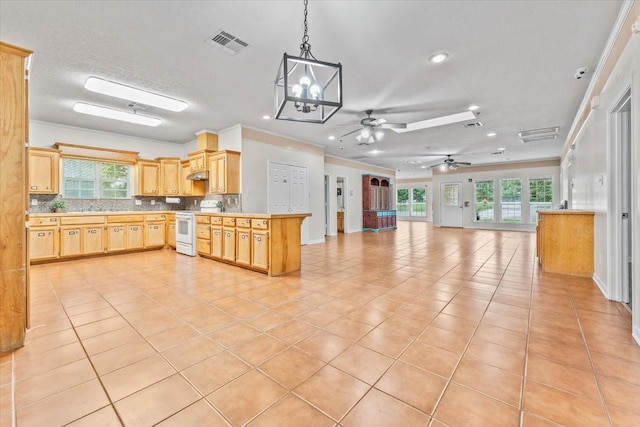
[(517, 59)]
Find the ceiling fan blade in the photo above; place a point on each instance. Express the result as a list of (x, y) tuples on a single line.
[(463, 163), (377, 122), (393, 126), (349, 133), (437, 165)]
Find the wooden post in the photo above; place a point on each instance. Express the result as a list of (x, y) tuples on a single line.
[(13, 196)]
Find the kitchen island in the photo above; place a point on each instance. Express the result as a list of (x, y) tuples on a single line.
[(269, 243)]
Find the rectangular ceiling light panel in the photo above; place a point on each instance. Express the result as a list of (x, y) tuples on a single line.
[(117, 90), (110, 113), (438, 121)]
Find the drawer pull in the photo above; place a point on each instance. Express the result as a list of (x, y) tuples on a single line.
[(41, 234), (53, 220), (93, 231), (34, 187), (259, 239), (134, 228), (244, 236), (72, 233), (217, 233)]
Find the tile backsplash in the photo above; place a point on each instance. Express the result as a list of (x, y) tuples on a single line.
[(232, 203)]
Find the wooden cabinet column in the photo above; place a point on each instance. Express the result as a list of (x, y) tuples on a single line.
[(13, 196)]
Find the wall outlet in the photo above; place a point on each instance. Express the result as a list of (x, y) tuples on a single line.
[(138, 202), (34, 202), (153, 202)]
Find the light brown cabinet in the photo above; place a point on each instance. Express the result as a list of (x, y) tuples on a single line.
[(44, 164), (243, 241), (229, 244), (198, 160), (148, 178), (189, 187), (216, 241), (565, 242), (14, 189), (340, 222), (82, 236), (224, 172), (135, 236), (155, 234), (170, 174), (44, 243), (171, 233), (260, 249), (116, 238), (70, 241), (93, 239)]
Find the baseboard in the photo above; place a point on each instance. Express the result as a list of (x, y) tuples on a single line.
[(636, 333), (603, 286), (315, 242)]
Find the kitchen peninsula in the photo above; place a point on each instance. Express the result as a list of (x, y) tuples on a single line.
[(269, 243)]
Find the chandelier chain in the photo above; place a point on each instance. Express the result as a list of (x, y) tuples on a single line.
[(305, 46)]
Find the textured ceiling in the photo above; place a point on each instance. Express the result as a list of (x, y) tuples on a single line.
[(516, 59)]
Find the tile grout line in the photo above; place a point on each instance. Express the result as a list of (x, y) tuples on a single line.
[(526, 348)]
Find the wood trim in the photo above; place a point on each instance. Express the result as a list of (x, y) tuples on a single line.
[(359, 165), (96, 153), (14, 50), (414, 181)]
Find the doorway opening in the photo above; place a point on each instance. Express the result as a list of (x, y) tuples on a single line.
[(341, 205), (621, 199), (327, 211)]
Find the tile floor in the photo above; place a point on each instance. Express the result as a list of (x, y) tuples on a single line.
[(417, 327)]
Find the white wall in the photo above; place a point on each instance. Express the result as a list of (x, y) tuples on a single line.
[(593, 148), (504, 171), (42, 134), (352, 173), (254, 170), (230, 138)]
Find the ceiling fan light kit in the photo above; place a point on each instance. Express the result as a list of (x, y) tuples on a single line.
[(305, 89)]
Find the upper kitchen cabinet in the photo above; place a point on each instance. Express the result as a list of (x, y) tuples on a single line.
[(189, 187), (224, 172), (170, 174), (198, 160), (148, 178), (44, 166)]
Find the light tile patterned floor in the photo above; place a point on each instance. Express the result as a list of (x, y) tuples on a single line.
[(417, 327)]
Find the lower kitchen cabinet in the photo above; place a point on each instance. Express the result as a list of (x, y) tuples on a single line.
[(43, 243), (116, 238), (229, 244), (216, 242), (260, 250), (70, 241), (171, 234), (135, 236), (203, 246), (93, 239), (155, 234), (243, 248)]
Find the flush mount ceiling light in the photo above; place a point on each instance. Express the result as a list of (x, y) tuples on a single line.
[(117, 90), (491, 134), (110, 113), (305, 89), (266, 117), (473, 107), (439, 57)]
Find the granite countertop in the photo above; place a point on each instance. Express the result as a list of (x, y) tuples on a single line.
[(565, 212), (227, 214), (253, 215)]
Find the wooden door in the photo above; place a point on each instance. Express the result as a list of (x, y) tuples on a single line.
[(116, 240), (243, 248), (171, 234), (43, 172), (135, 236), (229, 244), (43, 243), (260, 249), (155, 234), (214, 183), (221, 172), (70, 241), (216, 242), (93, 242), (149, 176), (171, 173)]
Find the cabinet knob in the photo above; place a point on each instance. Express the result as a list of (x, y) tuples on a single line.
[(259, 239)]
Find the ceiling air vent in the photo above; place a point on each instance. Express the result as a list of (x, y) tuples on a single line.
[(228, 42), (496, 153), (473, 125), (137, 106), (535, 135)]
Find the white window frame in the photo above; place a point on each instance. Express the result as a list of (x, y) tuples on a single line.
[(98, 181), (553, 195)]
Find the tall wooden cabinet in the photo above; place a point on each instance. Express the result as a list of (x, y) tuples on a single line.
[(377, 214), (224, 172), (14, 135), (565, 242)]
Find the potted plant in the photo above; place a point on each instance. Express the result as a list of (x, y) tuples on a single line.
[(58, 205), (220, 206)]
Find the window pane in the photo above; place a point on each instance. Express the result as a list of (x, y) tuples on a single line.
[(402, 202), (511, 199), (115, 181), (484, 201), (540, 196), (79, 178), (451, 195), (419, 205)]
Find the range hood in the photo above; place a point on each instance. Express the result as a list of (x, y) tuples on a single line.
[(198, 176)]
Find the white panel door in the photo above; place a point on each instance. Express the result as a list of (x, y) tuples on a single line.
[(298, 189), (278, 188), (451, 204)]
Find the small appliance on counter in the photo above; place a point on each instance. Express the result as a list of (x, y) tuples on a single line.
[(210, 206)]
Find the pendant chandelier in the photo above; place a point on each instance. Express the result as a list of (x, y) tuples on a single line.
[(307, 90)]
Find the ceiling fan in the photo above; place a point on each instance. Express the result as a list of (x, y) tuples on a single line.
[(371, 129), (449, 164)]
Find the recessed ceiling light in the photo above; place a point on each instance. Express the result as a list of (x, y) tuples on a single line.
[(473, 107), (110, 113), (331, 137), (490, 134), (423, 167), (439, 57), (375, 151), (501, 149), (105, 87), (266, 117)]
